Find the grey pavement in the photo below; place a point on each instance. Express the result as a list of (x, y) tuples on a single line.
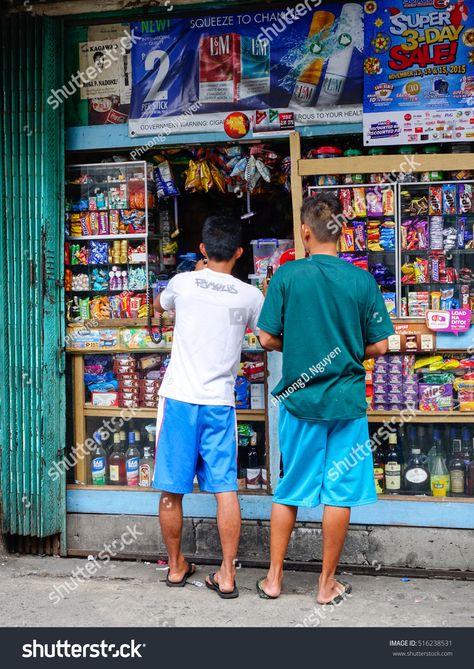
[(132, 594)]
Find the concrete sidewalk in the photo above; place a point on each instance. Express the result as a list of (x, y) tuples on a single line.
[(131, 594)]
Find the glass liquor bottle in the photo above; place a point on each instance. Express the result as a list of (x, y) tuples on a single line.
[(457, 470), (393, 467)]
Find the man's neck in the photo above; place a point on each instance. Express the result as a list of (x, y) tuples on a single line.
[(221, 267), (317, 248)]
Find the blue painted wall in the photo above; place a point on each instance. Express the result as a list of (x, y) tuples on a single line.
[(446, 514)]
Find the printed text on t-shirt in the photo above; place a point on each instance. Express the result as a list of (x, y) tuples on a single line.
[(219, 287)]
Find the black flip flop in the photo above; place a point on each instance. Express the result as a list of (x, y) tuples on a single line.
[(213, 585), (261, 592), (339, 598), (183, 581)]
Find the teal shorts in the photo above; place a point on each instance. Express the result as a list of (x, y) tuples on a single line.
[(325, 462)]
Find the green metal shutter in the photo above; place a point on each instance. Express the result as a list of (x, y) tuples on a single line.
[(32, 422)]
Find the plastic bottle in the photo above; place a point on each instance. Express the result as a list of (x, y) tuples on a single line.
[(132, 460), (99, 463), (439, 475)]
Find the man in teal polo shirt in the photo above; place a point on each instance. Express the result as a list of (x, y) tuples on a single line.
[(326, 316)]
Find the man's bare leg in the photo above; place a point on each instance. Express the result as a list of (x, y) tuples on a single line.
[(281, 526), (335, 526), (228, 524), (171, 523)]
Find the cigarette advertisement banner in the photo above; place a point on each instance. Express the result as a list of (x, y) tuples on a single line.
[(248, 73), (419, 71)]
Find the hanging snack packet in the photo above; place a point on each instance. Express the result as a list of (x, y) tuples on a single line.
[(218, 178), (205, 174), (165, 183), (193, 178)]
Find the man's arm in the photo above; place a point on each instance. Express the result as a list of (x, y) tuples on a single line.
[(157, 305), (270, 342), (375, 350)]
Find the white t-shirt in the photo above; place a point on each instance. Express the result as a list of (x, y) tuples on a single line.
[(213, 311)]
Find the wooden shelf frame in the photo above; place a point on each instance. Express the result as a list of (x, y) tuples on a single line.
[(82, 411), (385, 164)]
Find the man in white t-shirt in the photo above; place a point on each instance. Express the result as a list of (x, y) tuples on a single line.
[(196, 427)]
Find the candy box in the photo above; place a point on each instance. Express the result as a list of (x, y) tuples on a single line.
[(146, 404), (435, 397), (85, 338), (104, 399)]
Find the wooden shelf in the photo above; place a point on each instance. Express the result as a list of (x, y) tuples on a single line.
[(112, 350), (121, 323), (131, 489), (422, 416), (99, 412), (385, 164)]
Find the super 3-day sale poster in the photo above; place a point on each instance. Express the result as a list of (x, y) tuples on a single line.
[(268, 69), (418, 71)]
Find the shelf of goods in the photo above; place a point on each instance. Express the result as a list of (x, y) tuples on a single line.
[(115, 400)]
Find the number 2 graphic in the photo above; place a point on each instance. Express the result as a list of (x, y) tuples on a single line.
[(163, 69)]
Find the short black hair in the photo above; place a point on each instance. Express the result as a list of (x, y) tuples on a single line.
[(222, 236), (322, 214)]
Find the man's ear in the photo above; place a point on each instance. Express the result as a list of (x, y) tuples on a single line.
[(305, 233), (238, 254), (202, 248)]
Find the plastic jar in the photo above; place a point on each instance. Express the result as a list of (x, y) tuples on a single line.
[(327, 152), (431, 150), (353, 178)]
